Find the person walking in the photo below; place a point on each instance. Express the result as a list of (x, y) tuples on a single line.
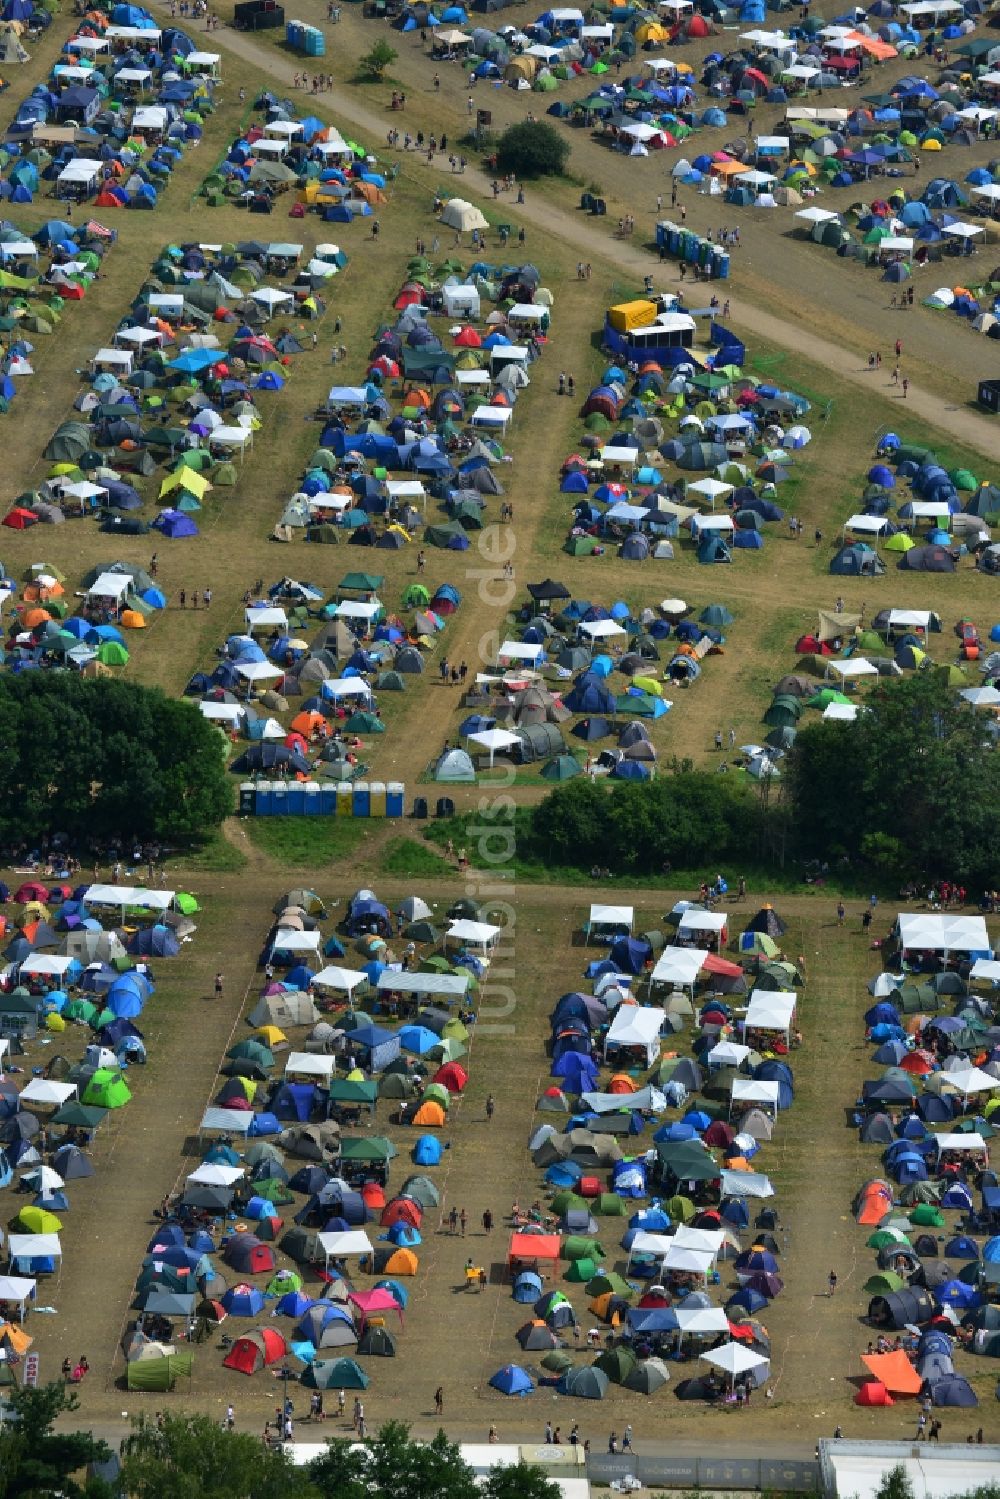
[(462, 1218), (439, 1401), (841, 913), (627, 1438), (831, 1281), (453, 1220), (487, 1221), (490, 1106), (230, 1418), (906, 386), (341, 1403), (218, 986), (207, 596)]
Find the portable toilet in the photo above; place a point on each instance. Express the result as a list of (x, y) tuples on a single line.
[(362, 799), (377, 799), (295, 799), (328, 798), (262, 798), (311, 805), (395, 794), (345, 799), (279, 799), (247, 798)]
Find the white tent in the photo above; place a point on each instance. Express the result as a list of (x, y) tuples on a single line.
[(734, 1359), (462, 216), (696, 922), (473, 933), (608, 922), (494, 740), (310, 1064), (18, 1291), (41, 1091), (347, 1244), (679, 967), (941, 932), (638, 1026), (341, 980), (209, 1174)]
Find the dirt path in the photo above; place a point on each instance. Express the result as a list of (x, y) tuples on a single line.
[(588, 242)]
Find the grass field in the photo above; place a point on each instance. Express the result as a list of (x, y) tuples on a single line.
[(452, 1336)]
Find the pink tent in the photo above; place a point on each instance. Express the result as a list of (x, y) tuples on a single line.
[(378, 1300)]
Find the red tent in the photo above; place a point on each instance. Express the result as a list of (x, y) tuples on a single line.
[(402, 1210), (20, 519), (452, 1076), (256, 1350), (873, 1392)]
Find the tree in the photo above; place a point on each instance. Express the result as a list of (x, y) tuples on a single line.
[(895, 1484), (377, 62), (532, 149), (101, 758), (37, 1462), (910, 785), (394, 1464), (192, 1457), (519, 1481)]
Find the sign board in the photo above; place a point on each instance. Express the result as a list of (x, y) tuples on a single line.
[(31, 1363)]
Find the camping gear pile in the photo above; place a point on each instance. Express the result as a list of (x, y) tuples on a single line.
[(327, 685), (283, 151), (933, 1209), (395, 441), (600, 664), (692, 1201), (288, 1214), (42, 274), (738, 434), (182, 385), (112, 120), (117, 597), (77, 967)]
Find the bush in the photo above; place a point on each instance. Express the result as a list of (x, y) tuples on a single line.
[(532, 149)]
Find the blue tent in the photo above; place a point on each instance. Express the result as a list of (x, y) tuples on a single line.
[(427, 1151), (512, 1380)]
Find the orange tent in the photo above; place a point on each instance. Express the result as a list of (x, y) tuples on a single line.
[(34, 617), (876, 1201), (403, 1262), (621, 1083), (133, 620), (894, 1371), (16, 1337), (307, 723), (430, 1115)]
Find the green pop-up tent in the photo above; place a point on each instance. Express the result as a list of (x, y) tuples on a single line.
[(159, 1374)]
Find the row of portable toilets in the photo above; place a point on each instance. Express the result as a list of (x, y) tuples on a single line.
[(322, 799), (684, 244), (306, 39)]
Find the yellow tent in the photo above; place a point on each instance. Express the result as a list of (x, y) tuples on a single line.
[(271, 1036), (185, 478)]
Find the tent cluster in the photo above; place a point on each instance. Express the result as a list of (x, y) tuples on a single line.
[(307, 706), (606, 668), (176, 397), (78, 963), (116, 597), (933, 1211), (395, 441), (733, 434), (112, 120), (284, 151), (698, 1262), (289, 1216), (42, 274), (926, 516), (899, 234)]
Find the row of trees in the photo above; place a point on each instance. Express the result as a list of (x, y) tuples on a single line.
[(192, 1457), (908, 791), (103, 758)]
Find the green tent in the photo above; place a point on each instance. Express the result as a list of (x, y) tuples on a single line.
[(375, 1148), (581, 1271), (159, 1374), (617, 1363), (111, 653), (107, 1089), (335, 1374), (78, 1116), (603, 1282), (577, 1247), (561, 768), (883, 1283)]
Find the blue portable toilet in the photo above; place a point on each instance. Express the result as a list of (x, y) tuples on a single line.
[(361, 799), (311, 799), (295, 799), (395, 797), (262, 799), (279, 798), (328, 798)]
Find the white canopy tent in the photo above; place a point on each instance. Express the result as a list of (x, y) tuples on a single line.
[(310, 1064), (348, 1244), (473, 934), (679, 967), (42, 1092), (941, 932), (17, 1290), (709, 924), (608, 922), (340, 980), (636, 1026)]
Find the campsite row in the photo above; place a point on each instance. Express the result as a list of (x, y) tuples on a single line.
[(617, 1066), (111, 122), (933, 1206), (376, 467), (360, 648), (336, 178), (277, 1207), (43, 273), (520, 709), (117, 596), (77, 967), (721, 419), (194, 413)]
